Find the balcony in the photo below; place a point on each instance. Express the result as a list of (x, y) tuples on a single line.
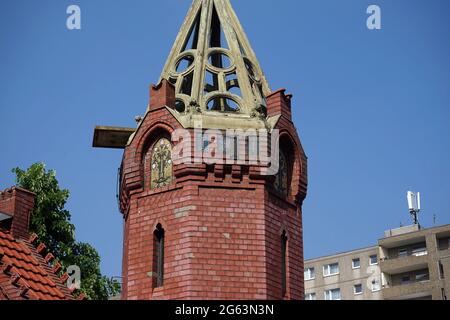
[(404, 264), (415, 290)]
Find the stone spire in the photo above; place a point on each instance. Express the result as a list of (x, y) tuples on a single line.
[(212, 65)]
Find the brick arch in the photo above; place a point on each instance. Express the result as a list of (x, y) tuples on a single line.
[(163, 224), (284, 228), (154, 254), (289, 143), (144, 146), (148, 138)]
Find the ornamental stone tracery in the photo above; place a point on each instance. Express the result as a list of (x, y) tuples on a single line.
[(213, 64)]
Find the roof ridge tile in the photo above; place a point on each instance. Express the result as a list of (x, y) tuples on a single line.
[(33, 238), (31, 269), (41, 248)]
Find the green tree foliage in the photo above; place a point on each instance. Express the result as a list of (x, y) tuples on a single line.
[(51, 222)]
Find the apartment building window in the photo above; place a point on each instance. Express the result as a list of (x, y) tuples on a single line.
[(356, 263), (310, 274), (420, 251), (444, 243), (358, 289), (334, 294), (376, 285), (422, 276), (402, 253), (310, 296), (406, 279), (441, 271), (373, 260), (331, 269)]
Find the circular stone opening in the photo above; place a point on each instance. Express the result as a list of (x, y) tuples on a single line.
[(184, 63), (224, 104), (219, 60), (180, 106)]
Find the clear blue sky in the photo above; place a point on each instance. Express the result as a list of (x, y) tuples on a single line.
[(372, 107)]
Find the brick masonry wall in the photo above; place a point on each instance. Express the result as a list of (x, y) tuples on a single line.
[(281, 216), (19, 203), (221, 243), (7, 202), (222, 224)]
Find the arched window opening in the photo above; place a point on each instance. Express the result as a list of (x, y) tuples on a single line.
[(282, 177), (162, 167), (284, 241), (158, 255)]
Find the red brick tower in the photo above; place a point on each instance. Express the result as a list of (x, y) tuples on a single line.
[(205, 217)]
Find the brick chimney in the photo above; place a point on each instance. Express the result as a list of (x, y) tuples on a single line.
[(16, 205)]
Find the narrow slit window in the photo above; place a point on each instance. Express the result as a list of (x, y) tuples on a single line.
[(284, 241), (158, 255)]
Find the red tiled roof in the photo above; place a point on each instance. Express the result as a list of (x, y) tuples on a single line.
[(25, 274)]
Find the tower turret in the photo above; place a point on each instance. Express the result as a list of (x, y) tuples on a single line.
[(213, 179)]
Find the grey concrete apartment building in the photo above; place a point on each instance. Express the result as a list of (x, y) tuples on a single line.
[(415, 263), (353, 275), (408, 263)]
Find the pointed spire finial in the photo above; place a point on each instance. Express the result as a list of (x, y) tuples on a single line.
[(213, 64)]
